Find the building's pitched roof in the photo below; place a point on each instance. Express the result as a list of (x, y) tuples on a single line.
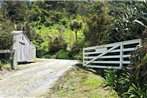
[(22, 32)]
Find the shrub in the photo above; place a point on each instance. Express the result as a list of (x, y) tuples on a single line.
[(124, 82), (62, 54), (48, 24), (111, 78), (139, 60), (56, 17), (42, 49), (73, 53), (137, 88), (56, 44), (64, 22), (6, 28), (135, 91), (76, 50), (78, 56), (98, 24), (47, 56), (5, 40)]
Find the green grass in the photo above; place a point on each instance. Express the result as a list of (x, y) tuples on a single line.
[(6, 65), (93, 82), (79, 83), (36, 60), (68, 35)]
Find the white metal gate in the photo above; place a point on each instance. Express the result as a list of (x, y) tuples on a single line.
[(115, 55)]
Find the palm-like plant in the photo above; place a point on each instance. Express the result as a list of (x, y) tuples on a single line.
[(76, 25)]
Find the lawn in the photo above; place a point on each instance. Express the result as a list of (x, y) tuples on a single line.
[(80, 83)]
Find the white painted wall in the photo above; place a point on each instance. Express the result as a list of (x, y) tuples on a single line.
[(24, 49)]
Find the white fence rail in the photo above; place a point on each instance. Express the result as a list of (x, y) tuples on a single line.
[(115, 55)]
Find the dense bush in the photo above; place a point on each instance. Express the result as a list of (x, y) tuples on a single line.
[(111, 77), (76, 51), (73, 52), (98, 24), (5, 40), (5, 34), (136, 91), (131, 83), (41, 52), (56, 44), (78, 56), (47, 55), (62, 54), (42, 49)]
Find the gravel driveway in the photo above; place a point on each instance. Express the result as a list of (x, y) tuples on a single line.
[(32, 80)]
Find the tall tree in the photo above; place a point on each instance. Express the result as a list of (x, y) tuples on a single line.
[(16, 10), (98, 23)]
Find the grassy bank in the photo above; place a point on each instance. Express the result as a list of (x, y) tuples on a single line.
[(80, 83)]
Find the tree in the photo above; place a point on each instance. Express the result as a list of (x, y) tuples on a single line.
[(15, 11), (5, 34), (98, 23), (76, 25), (124, 13)]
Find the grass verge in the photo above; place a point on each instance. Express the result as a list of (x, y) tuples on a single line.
[(80, 83)]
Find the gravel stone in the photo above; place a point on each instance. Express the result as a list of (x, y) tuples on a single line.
[(34, 79)]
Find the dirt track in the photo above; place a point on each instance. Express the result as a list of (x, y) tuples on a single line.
[(34, 79)]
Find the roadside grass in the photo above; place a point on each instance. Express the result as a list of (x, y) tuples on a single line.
[(80, 83), (36, 60), (7, 65)]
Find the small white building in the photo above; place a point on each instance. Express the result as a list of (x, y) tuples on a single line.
[(25, 51)]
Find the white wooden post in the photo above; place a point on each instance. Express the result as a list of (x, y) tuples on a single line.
[(14, 60), (121, 55), (83, 57), (140, 43), (12, 57)]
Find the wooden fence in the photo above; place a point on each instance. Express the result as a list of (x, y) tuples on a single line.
[(12, 57), (115, 55)]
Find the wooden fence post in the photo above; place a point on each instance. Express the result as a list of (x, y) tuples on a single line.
[(13, 60), (13, 57)]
